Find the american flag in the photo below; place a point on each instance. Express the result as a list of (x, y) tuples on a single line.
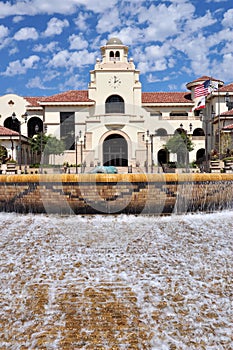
[(202, 89)]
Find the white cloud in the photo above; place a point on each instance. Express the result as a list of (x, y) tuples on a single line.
[(13, 51), (74, 82), (17, 67), (164, 21), (4, 39), (26, 33), (108, 21), (81, 58), (228, 19), (50, 47), (72, 60), (35, 7), (81, 21), (60, 59), (129, 35), (172, 87), (161, 35), (155, 57), (17, 19), (216, 1), (222, 38), (196, 24), (55, 26), (36, 83), (223, 69), (4, 32), (154, 79), (77, 42)]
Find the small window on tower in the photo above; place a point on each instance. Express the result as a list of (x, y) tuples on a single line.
[(111, 55), (117, 56)]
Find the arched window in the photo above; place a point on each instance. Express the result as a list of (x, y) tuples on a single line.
[(117, 55), (161, 132), (111, 55), (12, 124), (198, 132), (114, 104)]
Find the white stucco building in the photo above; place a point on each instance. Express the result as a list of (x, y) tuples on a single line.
[(114, 122)]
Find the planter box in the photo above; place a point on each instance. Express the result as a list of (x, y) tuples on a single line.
[(11, 168), (228, 166), (215, 163)]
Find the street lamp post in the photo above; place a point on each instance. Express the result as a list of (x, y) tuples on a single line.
[(14, 118), (44, 130), (152, 148), (147, 155), (83, 146), (76, 156), (186, 145), (78, 137), (206, 121)]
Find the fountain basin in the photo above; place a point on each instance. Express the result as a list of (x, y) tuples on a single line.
[(115, 193)]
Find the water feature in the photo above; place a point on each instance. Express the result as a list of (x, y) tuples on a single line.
[(116, 281), (118, 193)]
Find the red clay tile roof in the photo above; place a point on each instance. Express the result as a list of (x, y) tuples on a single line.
[(7, 132), (68, 96), (166, 97), (230, 112), (147, 97), (228, 127), (33, 101), (202, 79), (227, 88)]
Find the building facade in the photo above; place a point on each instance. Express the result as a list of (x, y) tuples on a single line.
[(114, 122)]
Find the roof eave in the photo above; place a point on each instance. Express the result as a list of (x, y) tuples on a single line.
[(162, 104), (67, 103), (34, 108)]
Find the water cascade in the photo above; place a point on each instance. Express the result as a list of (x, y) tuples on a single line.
[(120, 281), (118, 193), (116, 281)]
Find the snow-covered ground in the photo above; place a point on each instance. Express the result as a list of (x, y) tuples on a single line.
[(116, 282)]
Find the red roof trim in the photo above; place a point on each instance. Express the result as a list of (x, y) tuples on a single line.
[(228, 127), (226, 88), (166, 97), (68, 96), (7, 132)]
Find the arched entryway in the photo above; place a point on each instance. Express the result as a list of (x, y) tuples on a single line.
[(200, 155), (35, 125), (162, 156), (115, 151)]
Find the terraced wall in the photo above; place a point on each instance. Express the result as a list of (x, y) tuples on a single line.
[(112, 194)]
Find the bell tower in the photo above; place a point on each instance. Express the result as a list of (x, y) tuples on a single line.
[(115, 75), (114, 52)]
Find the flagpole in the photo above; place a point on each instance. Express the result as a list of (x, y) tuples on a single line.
[(219, 139)]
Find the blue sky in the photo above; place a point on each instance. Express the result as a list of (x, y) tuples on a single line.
[(47, 47)]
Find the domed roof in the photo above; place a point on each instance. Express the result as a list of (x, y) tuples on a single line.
[(114, 41)]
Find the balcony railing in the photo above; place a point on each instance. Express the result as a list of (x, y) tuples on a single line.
[(115, 118)]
